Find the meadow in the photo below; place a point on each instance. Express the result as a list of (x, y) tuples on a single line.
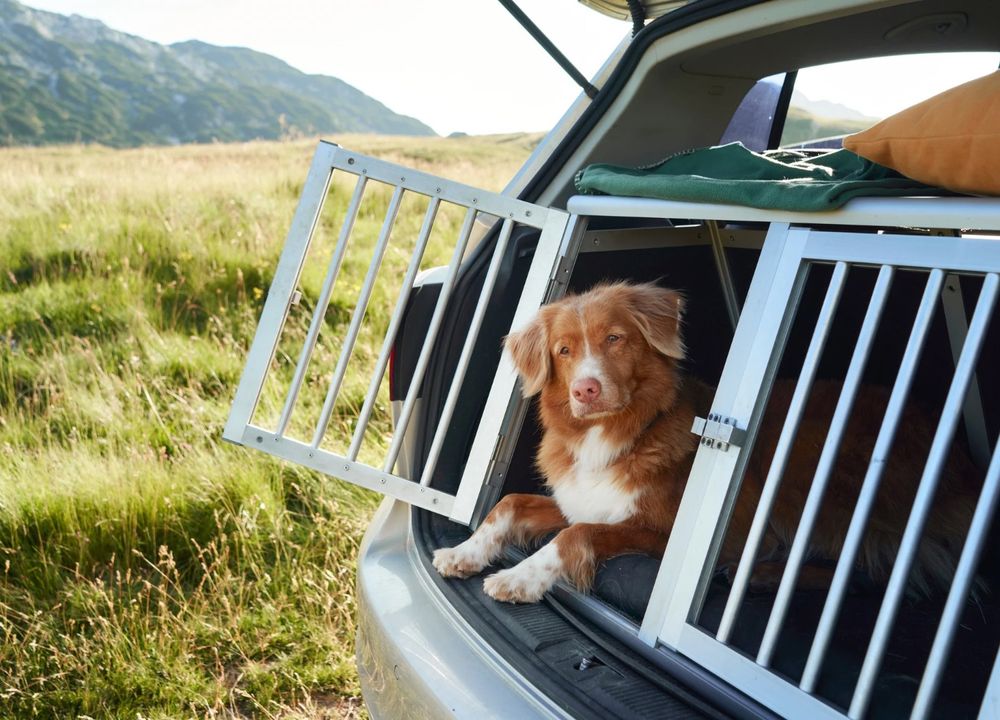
[(148, 569)]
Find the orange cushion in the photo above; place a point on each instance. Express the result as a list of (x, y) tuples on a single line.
[(951, 140)]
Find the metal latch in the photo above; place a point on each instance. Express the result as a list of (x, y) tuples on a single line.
[(718, 432)]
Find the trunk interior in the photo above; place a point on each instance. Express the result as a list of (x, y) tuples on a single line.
[(681, 257)]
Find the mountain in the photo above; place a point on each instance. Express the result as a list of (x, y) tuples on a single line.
[(808, 120), (829, 110), (73, 79)]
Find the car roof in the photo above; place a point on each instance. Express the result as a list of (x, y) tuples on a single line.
[(621, 8)]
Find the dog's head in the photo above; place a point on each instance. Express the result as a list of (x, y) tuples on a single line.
[(592, 350)]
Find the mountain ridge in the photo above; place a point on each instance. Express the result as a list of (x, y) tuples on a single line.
[(829, 109), (67, 78)]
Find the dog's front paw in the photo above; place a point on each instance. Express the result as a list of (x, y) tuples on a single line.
[(520, 584), (458, 562)]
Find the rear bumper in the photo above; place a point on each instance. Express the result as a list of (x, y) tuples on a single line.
[(416, 657)]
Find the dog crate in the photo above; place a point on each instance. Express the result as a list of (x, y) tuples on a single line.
[(891, 292), (304, 443)]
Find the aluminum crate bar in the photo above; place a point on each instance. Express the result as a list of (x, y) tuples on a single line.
[(925, 495), (958, 325), (782, 451), (690, 557), (322, 303), (827, 458), (447, 285), (470, 342), (959, 592), (272, 318), (725, 275), (390, 336), (474, 203), (870, 484), (360, 308), (990, 707)]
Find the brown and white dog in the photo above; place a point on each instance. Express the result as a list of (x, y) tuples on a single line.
[(616, 410)]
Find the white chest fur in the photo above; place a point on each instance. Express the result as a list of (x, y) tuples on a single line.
[(591, 491)]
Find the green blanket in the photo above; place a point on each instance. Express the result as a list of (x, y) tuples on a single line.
[(776, 179)]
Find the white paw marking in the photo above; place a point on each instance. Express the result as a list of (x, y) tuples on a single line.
[(528, 580), (476, 553)]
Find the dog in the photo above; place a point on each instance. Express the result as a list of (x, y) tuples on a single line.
[(616, 410)]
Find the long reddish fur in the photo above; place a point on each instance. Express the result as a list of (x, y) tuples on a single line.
[(655, 429)]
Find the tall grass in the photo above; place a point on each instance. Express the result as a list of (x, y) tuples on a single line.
[(147, 569)]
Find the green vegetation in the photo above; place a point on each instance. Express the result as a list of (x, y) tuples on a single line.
[(147, 569)]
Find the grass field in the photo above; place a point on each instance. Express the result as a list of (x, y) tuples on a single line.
[(148, 569)]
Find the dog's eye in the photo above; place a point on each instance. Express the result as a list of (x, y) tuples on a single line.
[(564, 350), (613, 338)]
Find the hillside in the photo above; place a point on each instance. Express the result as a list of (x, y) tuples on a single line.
[(72, 79), (809, 120), (802, 126)]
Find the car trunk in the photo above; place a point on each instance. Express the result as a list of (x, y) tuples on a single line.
[(637, 644), (827, 300), (680, 254)]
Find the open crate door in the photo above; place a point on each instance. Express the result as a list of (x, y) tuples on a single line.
[(938, 266), (301, 431)]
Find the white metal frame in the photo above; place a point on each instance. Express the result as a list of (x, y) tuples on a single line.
[(758, 344), (330, 158), (793, 243)]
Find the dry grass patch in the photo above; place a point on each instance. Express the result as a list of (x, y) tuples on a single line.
[(147, 569)]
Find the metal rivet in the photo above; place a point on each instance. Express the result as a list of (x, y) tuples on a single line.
[(402, 179), (437, 190), (347, 468), (350, 161), (434, 501), (260, 438), (527, 213), (383, 481)]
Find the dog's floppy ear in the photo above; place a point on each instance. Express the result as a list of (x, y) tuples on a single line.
[(657, 311), (529, 347)]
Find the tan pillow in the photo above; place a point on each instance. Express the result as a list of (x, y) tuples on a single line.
[(951, 140)]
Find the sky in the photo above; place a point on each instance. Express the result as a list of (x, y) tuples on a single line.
[(466, 65), (441, 61)]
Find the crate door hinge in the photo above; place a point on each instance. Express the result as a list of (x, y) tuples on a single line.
[(719, 432), (563, 270)]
